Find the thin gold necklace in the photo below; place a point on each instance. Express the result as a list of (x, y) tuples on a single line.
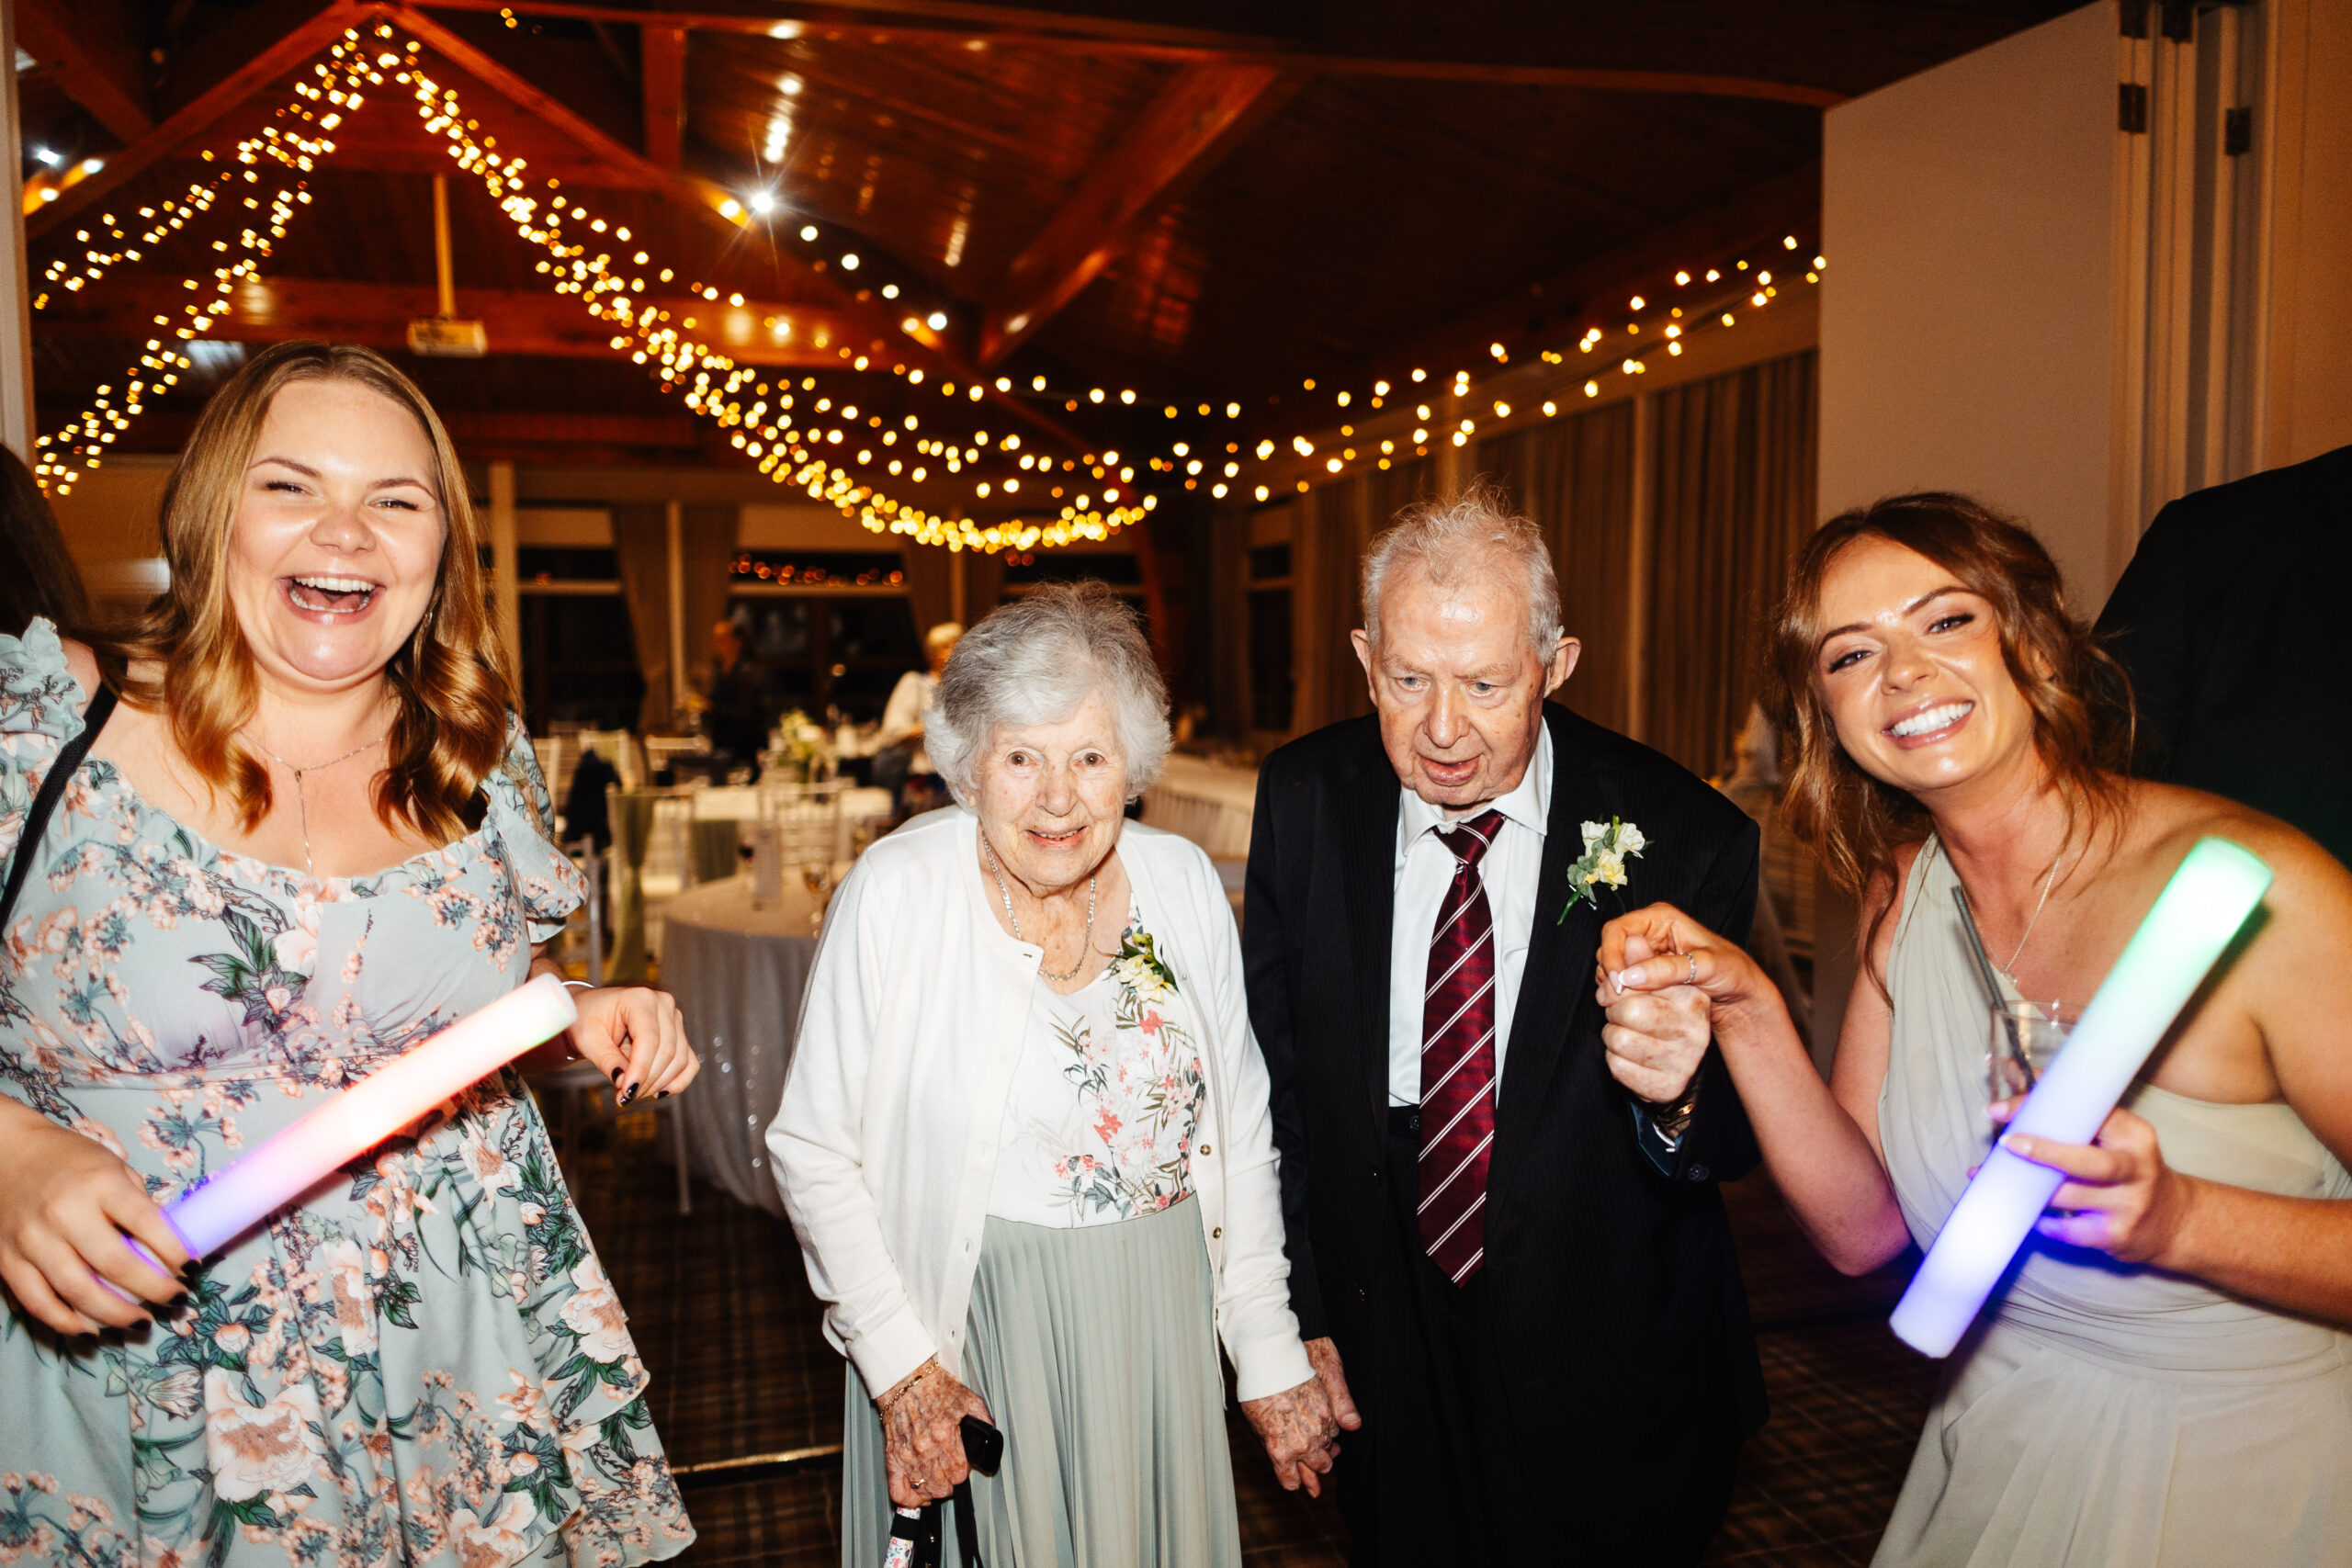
[(2048, 881), (302, 807)]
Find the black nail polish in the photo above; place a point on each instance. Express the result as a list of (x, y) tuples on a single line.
[(616, 1075), (664, 1095), (626, 1096)]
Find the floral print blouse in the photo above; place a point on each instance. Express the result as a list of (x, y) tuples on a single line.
[(1100, 1123), (421, 1363)]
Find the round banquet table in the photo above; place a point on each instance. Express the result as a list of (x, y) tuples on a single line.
[(738, 974)]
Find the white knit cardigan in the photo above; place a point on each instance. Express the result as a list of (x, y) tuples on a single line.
[(916, 1012)]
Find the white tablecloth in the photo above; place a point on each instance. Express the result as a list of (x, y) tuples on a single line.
[(738, 974), (1206, 802)]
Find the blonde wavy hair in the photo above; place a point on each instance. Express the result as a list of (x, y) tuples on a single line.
[(449, 679)]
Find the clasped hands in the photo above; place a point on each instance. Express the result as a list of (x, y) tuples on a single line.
[(922, 1436), (1670, 985)]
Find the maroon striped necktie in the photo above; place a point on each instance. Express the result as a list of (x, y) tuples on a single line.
[(1458, 1060)]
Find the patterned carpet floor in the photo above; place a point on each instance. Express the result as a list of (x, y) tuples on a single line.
[(747, 1396)]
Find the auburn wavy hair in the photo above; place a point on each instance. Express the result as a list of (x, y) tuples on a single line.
[(2083, 716), (187, 656)]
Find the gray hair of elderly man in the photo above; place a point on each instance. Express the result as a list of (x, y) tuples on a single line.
[(1457, 543), (1035, 661)]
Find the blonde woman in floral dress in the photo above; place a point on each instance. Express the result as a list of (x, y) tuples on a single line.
[(309, 834), (1025, 1139)]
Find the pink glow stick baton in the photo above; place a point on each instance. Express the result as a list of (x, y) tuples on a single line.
[(284, 1166)]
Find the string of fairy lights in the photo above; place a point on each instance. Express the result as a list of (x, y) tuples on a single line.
[(61, 455), (815, 443)]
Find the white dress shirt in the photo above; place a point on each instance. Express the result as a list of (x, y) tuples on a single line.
[(1510, 868)]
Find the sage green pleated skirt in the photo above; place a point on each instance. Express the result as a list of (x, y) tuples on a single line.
[(1096, 1350)]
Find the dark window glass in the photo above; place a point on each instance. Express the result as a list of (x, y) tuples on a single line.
[(579, 662), (821, 654), (1268, 562), (567, 563), (1270, 671)]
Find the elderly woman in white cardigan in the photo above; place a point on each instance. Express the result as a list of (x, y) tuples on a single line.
[(1025, 1141)]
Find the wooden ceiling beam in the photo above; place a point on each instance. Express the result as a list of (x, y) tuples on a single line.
[(520, 322), (197, 116), (1200, 115), (663, 72), (702, 196), (1014, 28), (88, 47)]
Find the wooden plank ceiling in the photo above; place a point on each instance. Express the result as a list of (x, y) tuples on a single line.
[(1204, 199)]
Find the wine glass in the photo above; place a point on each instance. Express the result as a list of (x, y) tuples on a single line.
[(816, 876)]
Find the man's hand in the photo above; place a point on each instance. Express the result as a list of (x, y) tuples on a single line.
[(1670, 985), (1300, 1434), (1655, 1040), (1324, 1356)]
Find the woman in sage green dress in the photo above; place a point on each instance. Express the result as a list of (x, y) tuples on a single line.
[(421, 1362), (2165, 1381)]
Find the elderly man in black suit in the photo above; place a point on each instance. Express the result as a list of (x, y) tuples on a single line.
[(1505, 1237)]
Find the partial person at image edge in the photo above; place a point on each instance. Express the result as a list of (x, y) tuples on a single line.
[(2228, 620)]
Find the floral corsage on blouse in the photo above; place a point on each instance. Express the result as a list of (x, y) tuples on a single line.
[(1606, 847)]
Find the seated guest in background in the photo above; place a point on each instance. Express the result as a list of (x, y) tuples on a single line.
[(2168, 1377), (2234, 590), (36, 575), (1525, 1270), (739, 715), (900, 740), (422, 1359), (1024, 1141)]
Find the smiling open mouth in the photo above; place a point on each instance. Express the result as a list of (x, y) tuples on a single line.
[(1934, 718), (324, 595)]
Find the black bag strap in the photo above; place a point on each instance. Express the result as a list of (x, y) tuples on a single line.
[(967, 1532), (53, 790)]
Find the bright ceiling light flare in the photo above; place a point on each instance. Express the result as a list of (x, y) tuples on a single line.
[(760, 202)]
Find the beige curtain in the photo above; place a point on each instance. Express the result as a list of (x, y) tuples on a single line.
[(1574, 479), (640, 540), (983, 584), (706, 544), (931, 593), (1331, 525), (1733, 479)]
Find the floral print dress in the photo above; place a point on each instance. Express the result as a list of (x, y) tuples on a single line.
[(423, 1363), (1099, 1124)]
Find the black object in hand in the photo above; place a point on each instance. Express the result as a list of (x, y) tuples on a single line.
[(983, 1445)]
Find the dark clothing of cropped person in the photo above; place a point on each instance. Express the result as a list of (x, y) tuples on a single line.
[(2227, 621)]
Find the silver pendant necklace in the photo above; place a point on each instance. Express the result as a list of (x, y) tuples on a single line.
[(301, 807), (1085, 943)]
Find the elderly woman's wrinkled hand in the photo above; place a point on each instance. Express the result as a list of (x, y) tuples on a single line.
[(1301, 1435), (922, 1435)]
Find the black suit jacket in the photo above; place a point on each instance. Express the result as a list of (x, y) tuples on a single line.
[(2227, 620), (1631, 1366)]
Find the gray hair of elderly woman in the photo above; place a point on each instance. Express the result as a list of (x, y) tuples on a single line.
[(1456, 543), (1035, 661)]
